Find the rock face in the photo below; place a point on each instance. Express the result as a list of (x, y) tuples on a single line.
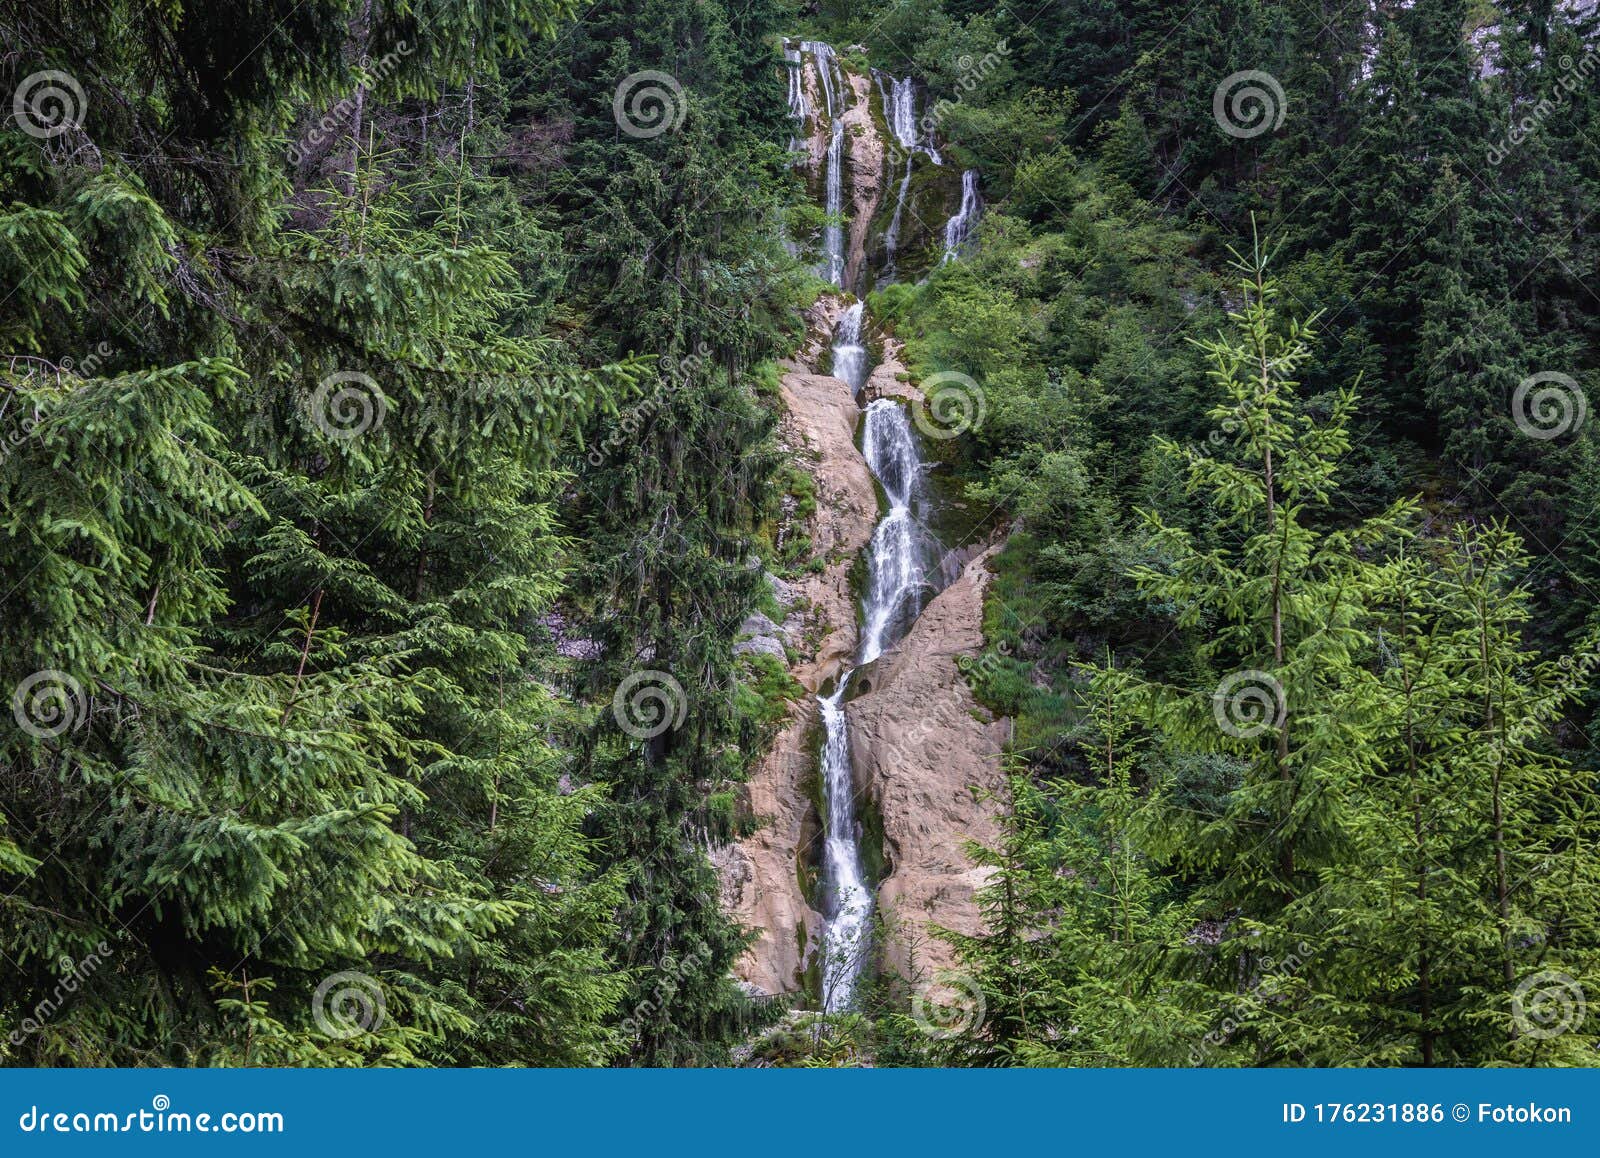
[(922, 751), (887, 379), (820, 427), (865, 175), (864, 160), (919, 742), (761, 875)]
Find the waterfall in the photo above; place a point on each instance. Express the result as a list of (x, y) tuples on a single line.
[(959, 228), (899, 577), (833, 93), (843, 943), (799, 107), (905, 562), (901, 549), (849, 354), (900, 112)]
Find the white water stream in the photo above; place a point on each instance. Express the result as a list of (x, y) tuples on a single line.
[(959, 228), (904, 559), (849, 352), (834, 93)]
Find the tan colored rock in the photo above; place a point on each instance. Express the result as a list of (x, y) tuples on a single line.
[(922, 751), (888, 377), (919, 742), (866, 175), (864, 159), (822, 409), (761, 874)]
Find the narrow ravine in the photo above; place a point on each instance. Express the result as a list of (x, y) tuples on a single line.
[(861, 801), (902, 566), (902, 558)]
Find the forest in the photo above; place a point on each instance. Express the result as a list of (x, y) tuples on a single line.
[(680, 533)]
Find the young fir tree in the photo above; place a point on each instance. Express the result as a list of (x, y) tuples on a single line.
[(299, 734), (1280, 602), (1080, 927), (1474, 839)]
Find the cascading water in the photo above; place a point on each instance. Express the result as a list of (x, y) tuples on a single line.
[(849, 354), (898, 563), (844, 940), (959, 227), (900, 112), (899, 577), (905, 562), (833, 93), (891, 236), (799, 107)]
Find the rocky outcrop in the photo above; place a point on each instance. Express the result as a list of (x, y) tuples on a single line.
[(889, 378), (924, 753), (764, 877), (864, 162), (865, 175), (819, 426)]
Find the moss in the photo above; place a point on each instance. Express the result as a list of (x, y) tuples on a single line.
[(808, 978), (932, 198), (800, 486), (808, 857), (874, 843)]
